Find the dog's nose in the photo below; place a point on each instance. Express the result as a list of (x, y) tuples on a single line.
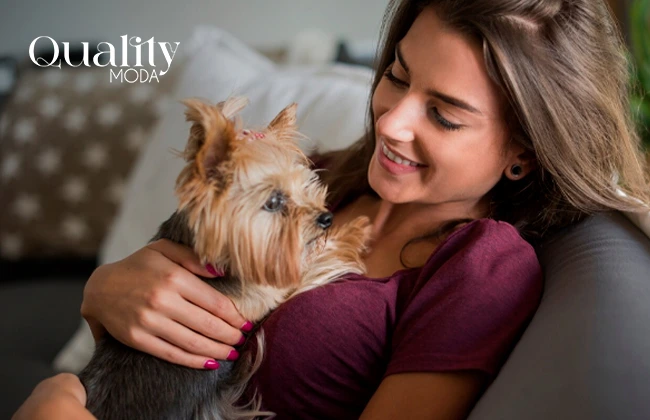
[(325, 220)]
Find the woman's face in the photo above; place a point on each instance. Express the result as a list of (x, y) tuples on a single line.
[(437, 108)]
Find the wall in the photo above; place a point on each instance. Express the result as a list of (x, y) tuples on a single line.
[(261, 23)]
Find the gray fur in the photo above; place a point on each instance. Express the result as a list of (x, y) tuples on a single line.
[(124, 383)]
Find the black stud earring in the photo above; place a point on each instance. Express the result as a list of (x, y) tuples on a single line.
[(516, 170)]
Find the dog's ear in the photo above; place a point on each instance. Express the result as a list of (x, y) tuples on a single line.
[(210, 136), (232, 106), (286, 119)]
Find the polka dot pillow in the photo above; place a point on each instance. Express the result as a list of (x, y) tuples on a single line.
[(68, 140)]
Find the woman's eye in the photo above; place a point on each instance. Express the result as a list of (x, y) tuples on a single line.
[(276, 202), (393, 79), (446, 124)]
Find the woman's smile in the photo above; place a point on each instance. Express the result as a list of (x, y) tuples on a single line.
[(394, 163)]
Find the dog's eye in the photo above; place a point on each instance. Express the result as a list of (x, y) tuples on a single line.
[(276, 202)]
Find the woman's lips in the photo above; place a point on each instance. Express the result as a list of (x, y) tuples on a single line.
[(394, 167)]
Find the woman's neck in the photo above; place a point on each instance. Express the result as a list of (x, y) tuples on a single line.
[(410, 220), (395, 225)]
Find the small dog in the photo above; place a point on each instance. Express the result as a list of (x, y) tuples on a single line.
[(250, 205)]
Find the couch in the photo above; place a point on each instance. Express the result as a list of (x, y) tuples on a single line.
[(583, 356)]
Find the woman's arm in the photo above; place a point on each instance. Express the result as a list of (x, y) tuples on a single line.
[(61, 397), (426, 395), (153, 301)]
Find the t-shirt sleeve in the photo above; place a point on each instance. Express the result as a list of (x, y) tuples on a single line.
[(470, 303)]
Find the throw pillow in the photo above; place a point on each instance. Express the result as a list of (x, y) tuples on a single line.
[(68, 140), (332, 101)]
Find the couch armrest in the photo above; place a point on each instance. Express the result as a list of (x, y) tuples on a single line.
[(585, 353)]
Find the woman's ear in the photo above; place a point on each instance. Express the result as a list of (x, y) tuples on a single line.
[(520, 164)]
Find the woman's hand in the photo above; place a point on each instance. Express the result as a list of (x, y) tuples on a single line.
[(59, 397), (153, 301)]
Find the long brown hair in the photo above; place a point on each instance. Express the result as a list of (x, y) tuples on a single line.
[(562, 65)]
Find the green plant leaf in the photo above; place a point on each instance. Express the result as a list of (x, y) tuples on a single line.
[(639, 25), (641, 113)]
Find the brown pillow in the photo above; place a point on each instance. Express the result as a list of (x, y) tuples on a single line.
[(68, 140)]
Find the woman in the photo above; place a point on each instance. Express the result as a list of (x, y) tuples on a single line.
[(495, 122)]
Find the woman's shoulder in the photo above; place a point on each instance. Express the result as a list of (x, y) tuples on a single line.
[(487, 236), (470, 301), (486, 227), (487, 250)]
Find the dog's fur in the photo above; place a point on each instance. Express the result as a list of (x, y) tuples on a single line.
[(250, 205)]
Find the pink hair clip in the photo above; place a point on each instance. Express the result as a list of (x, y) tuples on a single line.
[(255, 134)]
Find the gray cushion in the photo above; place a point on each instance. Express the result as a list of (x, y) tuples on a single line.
[(586, 353), (583, 356), (37, 318)]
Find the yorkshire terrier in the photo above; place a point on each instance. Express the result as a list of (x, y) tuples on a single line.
[(251, 206)]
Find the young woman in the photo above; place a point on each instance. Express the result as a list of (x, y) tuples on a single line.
[(494, 123)]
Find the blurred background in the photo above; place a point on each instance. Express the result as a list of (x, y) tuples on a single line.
[(56, 105), (267, 25), (71, 141), (70, 116)]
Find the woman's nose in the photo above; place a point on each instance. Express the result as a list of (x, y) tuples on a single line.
[(398, 122)]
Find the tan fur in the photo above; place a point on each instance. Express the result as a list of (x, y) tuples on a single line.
[(227, 180), (250, 205), (229, 176)]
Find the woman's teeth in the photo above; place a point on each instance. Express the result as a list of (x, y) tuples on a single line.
[(396, 159)]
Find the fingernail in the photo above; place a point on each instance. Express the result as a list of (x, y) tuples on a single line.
[(211, 364), (247, 327), (242, 340), (233, 355), (213, 271)]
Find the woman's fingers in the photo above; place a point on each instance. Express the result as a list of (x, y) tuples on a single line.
[(192, 342), (181, 255), (160, 348), (200, 294), (153, 301), (204, 296), (205, 323)]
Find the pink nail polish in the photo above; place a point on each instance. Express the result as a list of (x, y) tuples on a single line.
[(233, 355), (211, 269), (247, 327), (211, 364), (241, 341)]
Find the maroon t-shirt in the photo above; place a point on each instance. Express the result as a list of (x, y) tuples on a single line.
[(328, 349)]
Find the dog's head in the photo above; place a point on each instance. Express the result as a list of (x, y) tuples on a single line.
[(252, 203)]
